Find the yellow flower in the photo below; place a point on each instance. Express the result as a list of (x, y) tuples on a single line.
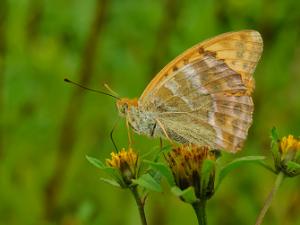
[(289, 144), (186, 163), (285, 152), (126, 162)]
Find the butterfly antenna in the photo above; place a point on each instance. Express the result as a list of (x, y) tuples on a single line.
[(111, 90), (86, 88)]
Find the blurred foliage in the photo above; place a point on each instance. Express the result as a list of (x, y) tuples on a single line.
[(47, 127)]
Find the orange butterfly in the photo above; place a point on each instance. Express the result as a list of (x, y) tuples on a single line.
[(203, 96)]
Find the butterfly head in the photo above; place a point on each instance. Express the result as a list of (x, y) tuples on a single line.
[(124, 105)]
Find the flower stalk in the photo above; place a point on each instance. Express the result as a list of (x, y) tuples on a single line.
[(140, 204), (269, 199), (286, 154), (200, 211), (126, 162)]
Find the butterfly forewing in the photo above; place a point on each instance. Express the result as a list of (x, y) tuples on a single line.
[(203, 96)]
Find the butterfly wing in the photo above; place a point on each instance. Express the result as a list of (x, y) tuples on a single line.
[(204, 95)]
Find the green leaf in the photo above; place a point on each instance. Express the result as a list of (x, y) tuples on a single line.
[(155, 175), (188, 195), (99, 164), (111, 182), (266, 166), (165, 149), (163, 170), (235, 164), (153, 150), (148, 182), (96, 162)]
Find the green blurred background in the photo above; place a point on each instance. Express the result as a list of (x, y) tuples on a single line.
[(47, 126)]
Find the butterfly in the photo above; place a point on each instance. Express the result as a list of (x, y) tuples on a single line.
[(203, 96)]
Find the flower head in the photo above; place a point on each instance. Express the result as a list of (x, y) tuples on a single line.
[(186, 164), (127, 163), (289, 145), (287, 150)]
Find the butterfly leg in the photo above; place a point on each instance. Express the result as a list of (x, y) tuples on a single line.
[(112, 138), (164, 130), (153, 130), (128, 132)]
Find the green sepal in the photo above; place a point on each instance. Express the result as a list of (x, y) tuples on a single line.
[(235, 164), (207, 178), (187, 195), (292, 169), (275, 148), (274, 135), (148, 182)]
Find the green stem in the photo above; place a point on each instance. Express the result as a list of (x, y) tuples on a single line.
[(140, 204), (269, 199), (200, 210)]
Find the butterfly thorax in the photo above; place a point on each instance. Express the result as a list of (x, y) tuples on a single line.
[(143, 122)]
